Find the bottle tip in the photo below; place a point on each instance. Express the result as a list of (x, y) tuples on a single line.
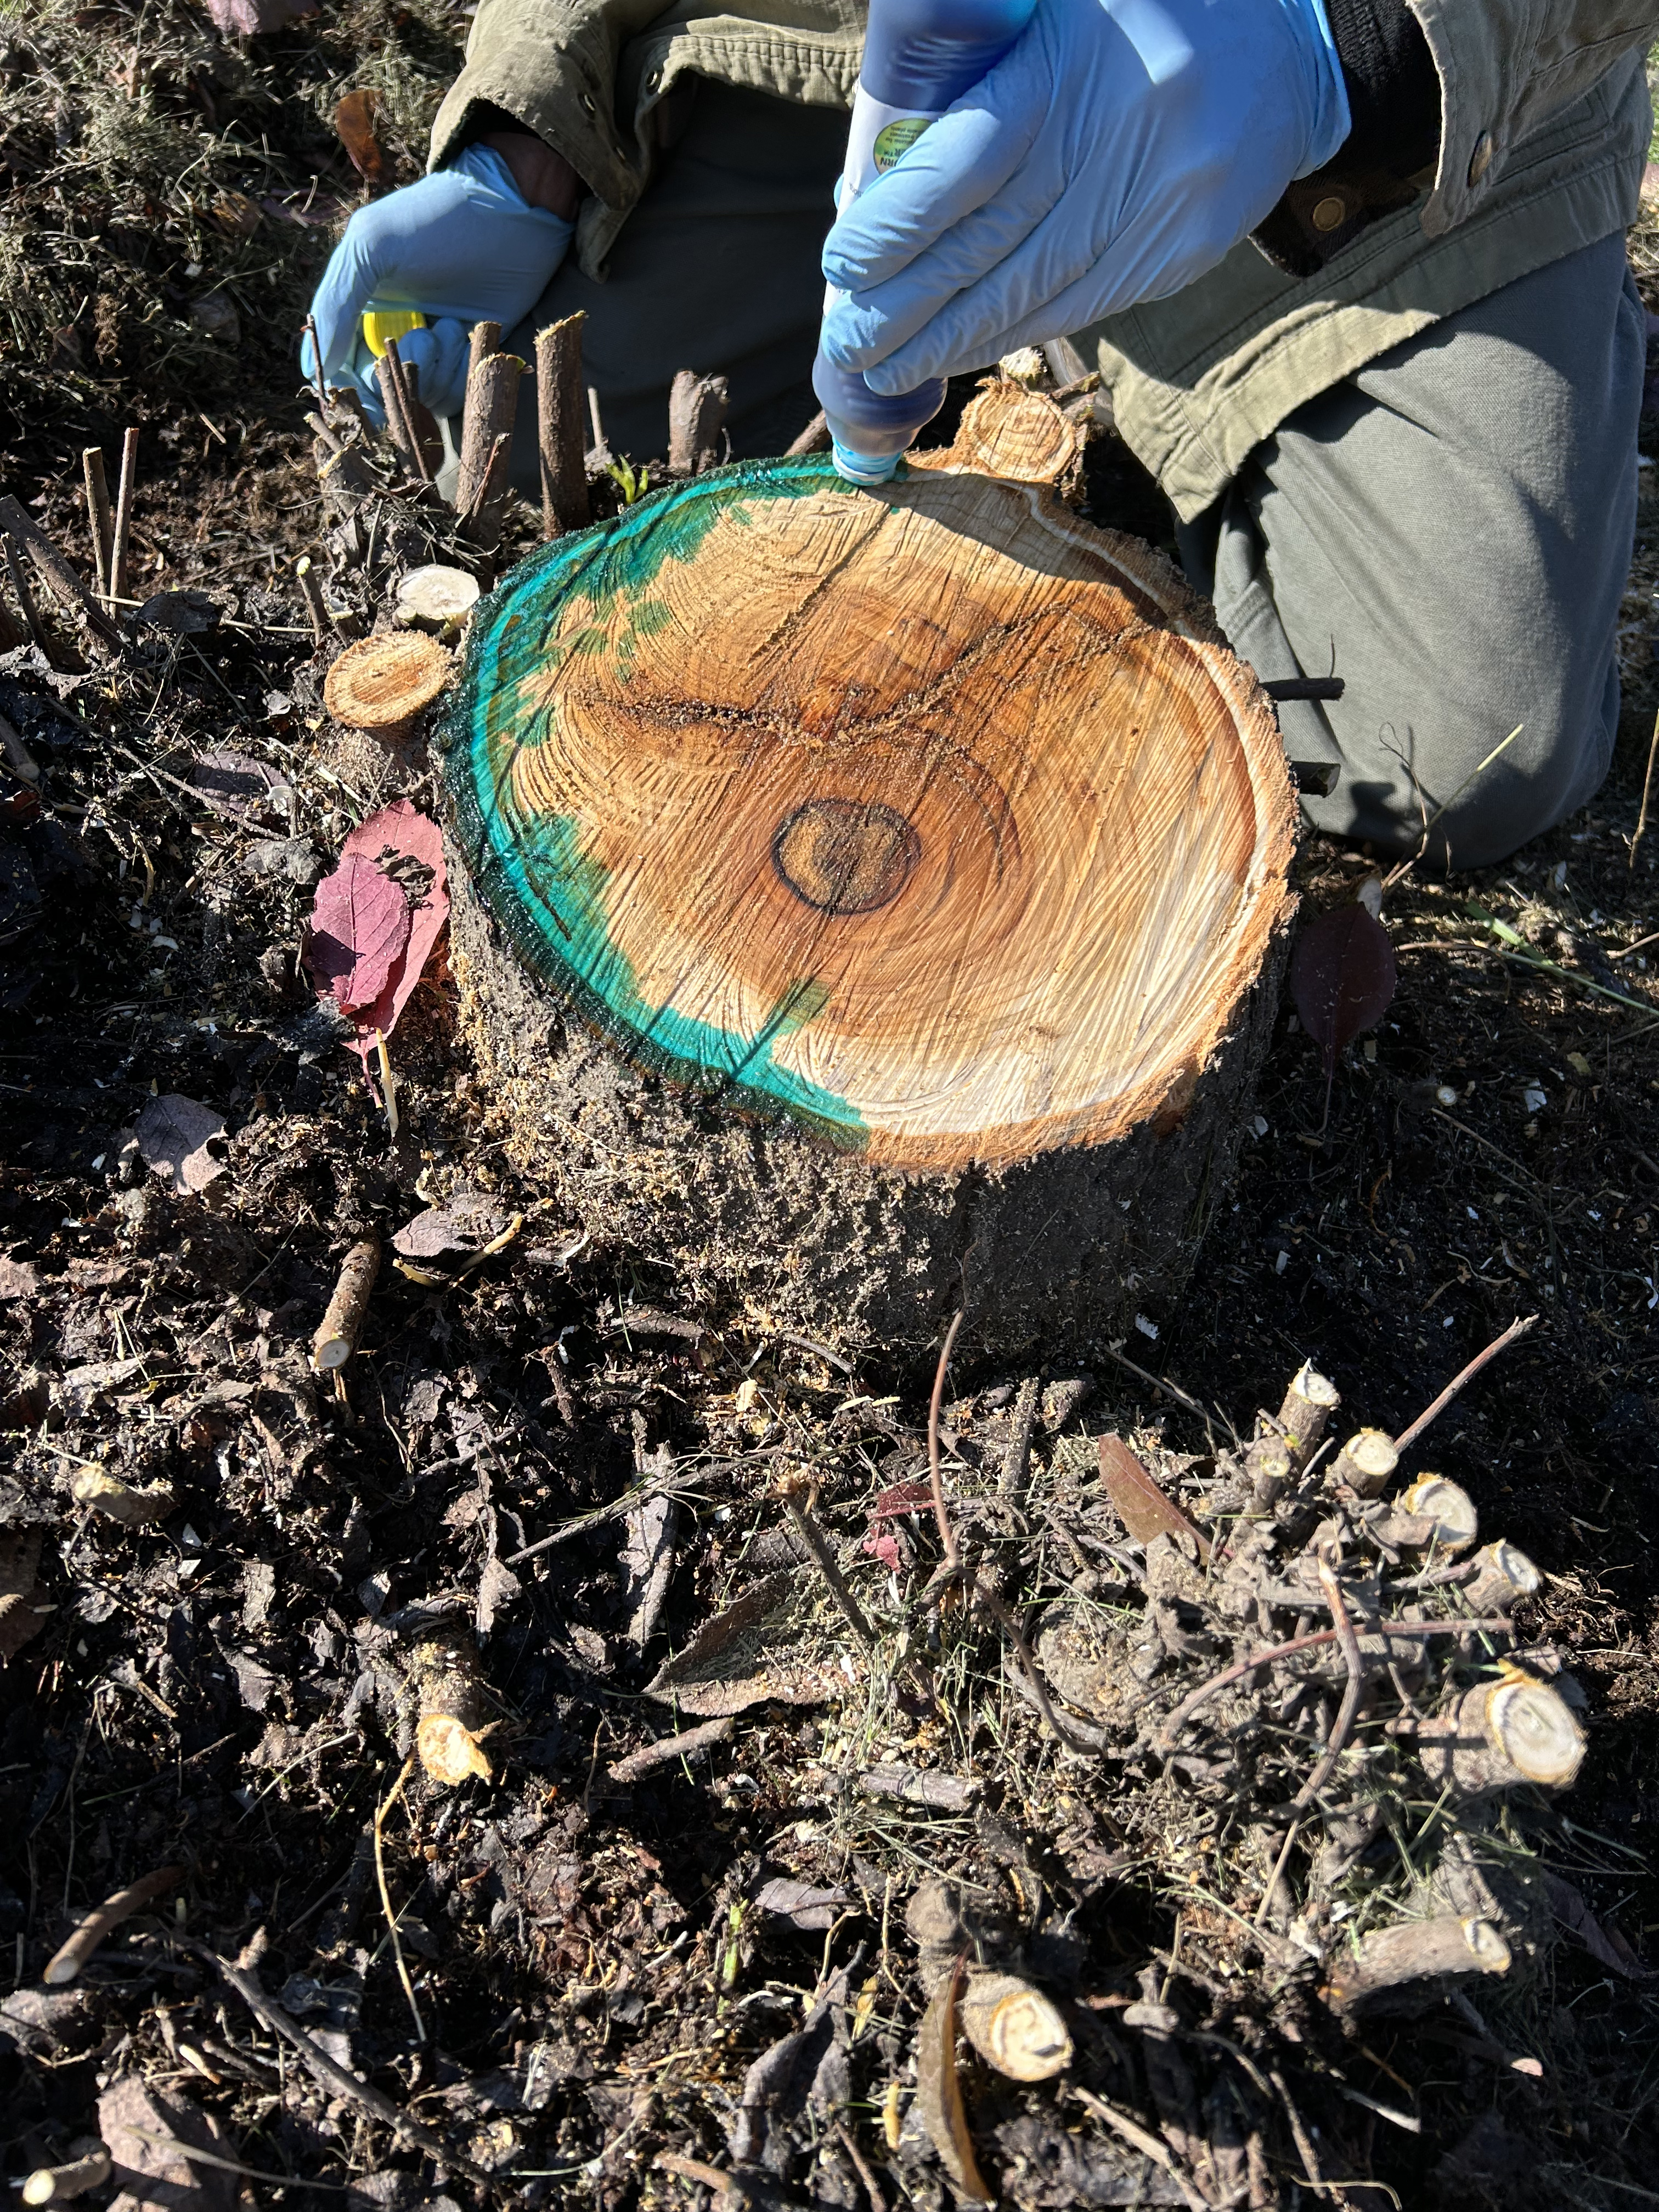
[(865, 469)]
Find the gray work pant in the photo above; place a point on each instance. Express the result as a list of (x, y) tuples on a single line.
[(1449, 531), (1449, 528)]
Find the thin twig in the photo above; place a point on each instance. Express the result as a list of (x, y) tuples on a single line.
[(1305, 2150), (1647, 792), (67, 1961), (124, 495), (947, 1535), (1148, 2145), (1404, 866), (1271, 1890), (807, 1529), (333, 2076), (1516, 1329), (1039, 1688), (310, 327), (861, 2166), (380, 1813), (229, 2164), (1407, 1630), (1354, 1661)]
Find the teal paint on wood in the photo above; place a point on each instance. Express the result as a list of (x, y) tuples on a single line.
[(546, 891)]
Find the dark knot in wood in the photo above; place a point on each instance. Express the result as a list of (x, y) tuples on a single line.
[(846, 855)]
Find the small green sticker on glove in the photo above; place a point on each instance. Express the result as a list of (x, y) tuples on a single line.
[(897, 139)]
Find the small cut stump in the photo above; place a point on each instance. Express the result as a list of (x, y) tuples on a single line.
[(872, 901)]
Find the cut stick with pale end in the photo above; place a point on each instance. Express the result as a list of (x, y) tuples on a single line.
[(100, 520), (1308, 1404), (342, 1324), (311, 592), (1269, 1466), (1415, 1951), (1433, 1511), (1366, 1463), (56, 2184), (435, 599), (125, 487), (483, 339), (1504, 1575), (382, 684), (67, 1961), (133, 1506), (1500, 1735), (1015, 2028), (447, 1676), (491, 408), (560, 432)]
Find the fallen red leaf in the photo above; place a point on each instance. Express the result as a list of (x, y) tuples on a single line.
[(378, 918), (360, 927)]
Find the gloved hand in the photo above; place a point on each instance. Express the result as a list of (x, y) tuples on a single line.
[(1119, 150), (463, 246)]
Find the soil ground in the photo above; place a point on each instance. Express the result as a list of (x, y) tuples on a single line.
[(588, 1972)]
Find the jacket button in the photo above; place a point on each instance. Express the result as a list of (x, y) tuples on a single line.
[(1481, 160), (1330, 213)]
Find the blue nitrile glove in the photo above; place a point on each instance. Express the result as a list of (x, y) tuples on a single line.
[(464, 247), (1120, 149)]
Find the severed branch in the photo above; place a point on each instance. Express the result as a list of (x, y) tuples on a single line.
[(808, 1531), (696, 416), (22, 530), (1015, 1463), (1407, 1630), (67, 1961), (560, 431), (99, 519), (1515, 1329), (342, 1324), (492, 406), (669, 1749)]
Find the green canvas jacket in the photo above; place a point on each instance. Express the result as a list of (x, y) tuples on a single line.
[(1545, 128)]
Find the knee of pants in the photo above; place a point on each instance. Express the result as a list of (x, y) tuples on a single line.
[(1450, 798)]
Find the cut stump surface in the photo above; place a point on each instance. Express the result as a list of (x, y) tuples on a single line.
[(933, 825)]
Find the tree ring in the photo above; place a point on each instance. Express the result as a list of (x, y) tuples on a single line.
[(846, 855)]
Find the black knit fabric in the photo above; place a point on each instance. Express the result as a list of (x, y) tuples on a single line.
[(1394, 93), (1393, 106)]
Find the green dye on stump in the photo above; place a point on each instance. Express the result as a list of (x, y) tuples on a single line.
[(531, 871)]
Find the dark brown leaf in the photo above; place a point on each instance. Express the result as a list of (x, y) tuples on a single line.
[(1145, 1509), (172, 1133), (811, 1911), (751, 1652), (938, 2092), (1342, 978)]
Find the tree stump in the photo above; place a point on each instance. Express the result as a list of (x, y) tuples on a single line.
[(872, 903)]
